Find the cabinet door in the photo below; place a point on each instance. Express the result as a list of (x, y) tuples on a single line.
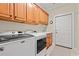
[(5, 10), (41, 16), (50, 37), (45, 21), (20, 12), (30, 13), (49, 40), (36, 14)]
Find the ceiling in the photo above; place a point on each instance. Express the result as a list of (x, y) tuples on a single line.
[(49, 6), (46, 6)]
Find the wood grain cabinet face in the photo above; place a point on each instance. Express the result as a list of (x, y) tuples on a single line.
[(43, 18), (20, 12), (30, 13), (36, 14), (6, 10), (49, 40)]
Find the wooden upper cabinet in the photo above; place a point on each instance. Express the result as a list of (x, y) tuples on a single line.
[(36, 14), (23, 12), (43, 17), (20, 12), (6, 10), (30, 13)]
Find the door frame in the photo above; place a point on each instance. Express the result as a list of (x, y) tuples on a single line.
[(72, 24)]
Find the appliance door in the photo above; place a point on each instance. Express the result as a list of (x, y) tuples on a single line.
[(23, 47), (41, 44)]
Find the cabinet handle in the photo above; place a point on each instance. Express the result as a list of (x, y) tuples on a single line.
[(1, 48), (10, 15), (22, 41), (15, 16)]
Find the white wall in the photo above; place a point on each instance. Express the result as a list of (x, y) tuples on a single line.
[(77, 28), (13, 26)]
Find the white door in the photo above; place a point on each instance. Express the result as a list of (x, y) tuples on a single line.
[(63, 29)]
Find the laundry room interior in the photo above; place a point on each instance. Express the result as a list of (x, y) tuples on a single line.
[(39, 29)]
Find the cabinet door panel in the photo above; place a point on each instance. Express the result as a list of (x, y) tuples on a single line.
[(49, 40), (36, 14), (20, 12), (41, 17), (45, 21), (5, 10), (30, 13)]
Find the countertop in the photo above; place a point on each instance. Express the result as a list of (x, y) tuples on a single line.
[(15, 39), (38, 33)]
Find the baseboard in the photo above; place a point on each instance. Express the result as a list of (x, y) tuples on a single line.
[(63, 46), (75, 52)]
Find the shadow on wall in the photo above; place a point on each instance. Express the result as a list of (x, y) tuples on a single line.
[(12, 26)]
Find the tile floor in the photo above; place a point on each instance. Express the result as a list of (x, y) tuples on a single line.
[(61, 51)]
